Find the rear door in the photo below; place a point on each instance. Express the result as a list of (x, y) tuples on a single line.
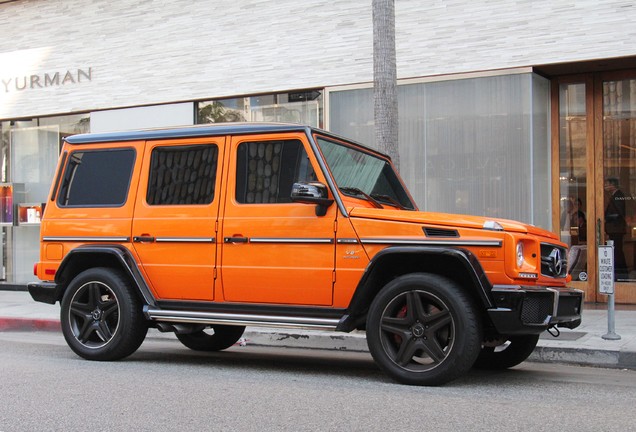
[(274, 250), (174, 228)]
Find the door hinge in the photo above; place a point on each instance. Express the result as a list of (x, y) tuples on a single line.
[(333, 276)]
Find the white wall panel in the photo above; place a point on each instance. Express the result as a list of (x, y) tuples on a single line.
[(181, 114), (153, 51)]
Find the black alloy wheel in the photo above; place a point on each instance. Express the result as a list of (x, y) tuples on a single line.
[(514, 351), (215, 338), (101, 317), (422, 329)]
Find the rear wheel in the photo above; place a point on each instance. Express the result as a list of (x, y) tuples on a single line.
[(214, 338), (504, 356), (422, 329), (101, 316)]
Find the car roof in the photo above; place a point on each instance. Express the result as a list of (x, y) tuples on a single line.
[(212, 129), (187, 132)]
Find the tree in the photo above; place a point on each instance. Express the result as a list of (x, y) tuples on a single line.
[(216, 112), (385, 110)]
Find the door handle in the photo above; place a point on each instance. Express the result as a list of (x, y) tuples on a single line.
[(235, 240), (143, 239)]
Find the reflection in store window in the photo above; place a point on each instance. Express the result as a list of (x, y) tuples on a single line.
[(619, 174), (304, 107), (573, 176)]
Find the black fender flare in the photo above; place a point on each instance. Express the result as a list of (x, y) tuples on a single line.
[(368, 287), (82, 257)]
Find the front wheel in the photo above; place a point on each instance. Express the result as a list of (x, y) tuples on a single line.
[(422, 329), (514, 351), (101, 316), (216, 338)]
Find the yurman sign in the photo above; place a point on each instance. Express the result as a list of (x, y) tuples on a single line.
[(46, 79)]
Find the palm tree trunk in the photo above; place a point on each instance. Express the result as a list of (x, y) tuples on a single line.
[(385, 79)]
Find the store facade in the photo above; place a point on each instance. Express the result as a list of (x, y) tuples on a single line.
[(511, 110)]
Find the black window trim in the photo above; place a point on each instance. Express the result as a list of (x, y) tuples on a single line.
[(58, 178)]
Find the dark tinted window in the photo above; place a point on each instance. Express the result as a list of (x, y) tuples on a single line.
[(267, 170), (182, 175), (97, 178)]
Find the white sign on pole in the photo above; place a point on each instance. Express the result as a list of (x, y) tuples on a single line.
[(606, 269)]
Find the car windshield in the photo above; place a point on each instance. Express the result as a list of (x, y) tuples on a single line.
[(363, 175)]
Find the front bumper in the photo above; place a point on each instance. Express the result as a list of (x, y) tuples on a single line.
[(532, 310)]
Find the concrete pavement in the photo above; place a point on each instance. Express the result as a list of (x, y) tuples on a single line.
[(584, 345)]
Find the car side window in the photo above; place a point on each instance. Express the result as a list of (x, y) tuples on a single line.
[(182, 175), (266, 171), (97, 178)]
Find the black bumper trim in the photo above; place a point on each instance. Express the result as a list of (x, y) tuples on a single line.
[(45, 292), (532, 310)]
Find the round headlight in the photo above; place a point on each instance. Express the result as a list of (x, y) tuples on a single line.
[(519, 254)]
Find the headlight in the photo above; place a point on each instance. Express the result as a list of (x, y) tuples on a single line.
[(519, 254)]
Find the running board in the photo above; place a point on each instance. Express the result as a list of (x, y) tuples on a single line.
[(163, 315)]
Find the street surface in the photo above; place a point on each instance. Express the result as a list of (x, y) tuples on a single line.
[(44, 386)]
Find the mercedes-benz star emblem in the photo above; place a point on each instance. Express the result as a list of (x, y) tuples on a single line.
[(556, 263)]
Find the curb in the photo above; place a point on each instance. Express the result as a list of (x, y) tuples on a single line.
[(17, 324), (356, 342), (613, 359)]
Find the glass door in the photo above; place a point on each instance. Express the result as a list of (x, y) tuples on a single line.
[(616, 143), (596, 133)]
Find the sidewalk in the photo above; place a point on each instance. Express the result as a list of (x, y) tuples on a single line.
[(582, 346)]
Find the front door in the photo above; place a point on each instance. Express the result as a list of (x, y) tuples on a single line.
[(597, 177), (274, 250)]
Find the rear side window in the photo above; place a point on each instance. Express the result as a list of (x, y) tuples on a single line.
[(182, 175), (97, 178)]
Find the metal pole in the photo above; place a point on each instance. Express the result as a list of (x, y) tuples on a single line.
[(611, 322)]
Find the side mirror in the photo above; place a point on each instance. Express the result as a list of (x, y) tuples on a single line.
[(312, 193)]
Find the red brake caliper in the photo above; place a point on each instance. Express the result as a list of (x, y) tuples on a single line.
[(400, 314)]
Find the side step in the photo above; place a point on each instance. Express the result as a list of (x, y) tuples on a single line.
[(163, 315)]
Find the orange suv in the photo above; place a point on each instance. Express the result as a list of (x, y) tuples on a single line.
[(202, 231)]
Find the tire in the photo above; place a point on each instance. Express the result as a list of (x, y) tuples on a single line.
[(422, 329), (101, 316), (221, 337), (515, 351)]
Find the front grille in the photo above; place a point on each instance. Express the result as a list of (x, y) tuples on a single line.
[(537, 307), (554, 261)]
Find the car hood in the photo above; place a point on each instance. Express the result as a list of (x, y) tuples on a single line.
[(446, 219)]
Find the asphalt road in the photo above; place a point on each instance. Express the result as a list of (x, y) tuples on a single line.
[(166, 387)]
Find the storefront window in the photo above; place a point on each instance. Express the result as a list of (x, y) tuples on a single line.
[(303, 107), (471, 146), (28, 156)]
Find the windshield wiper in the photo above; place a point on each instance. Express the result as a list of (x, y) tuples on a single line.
[(388, 200), (356, 191)]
